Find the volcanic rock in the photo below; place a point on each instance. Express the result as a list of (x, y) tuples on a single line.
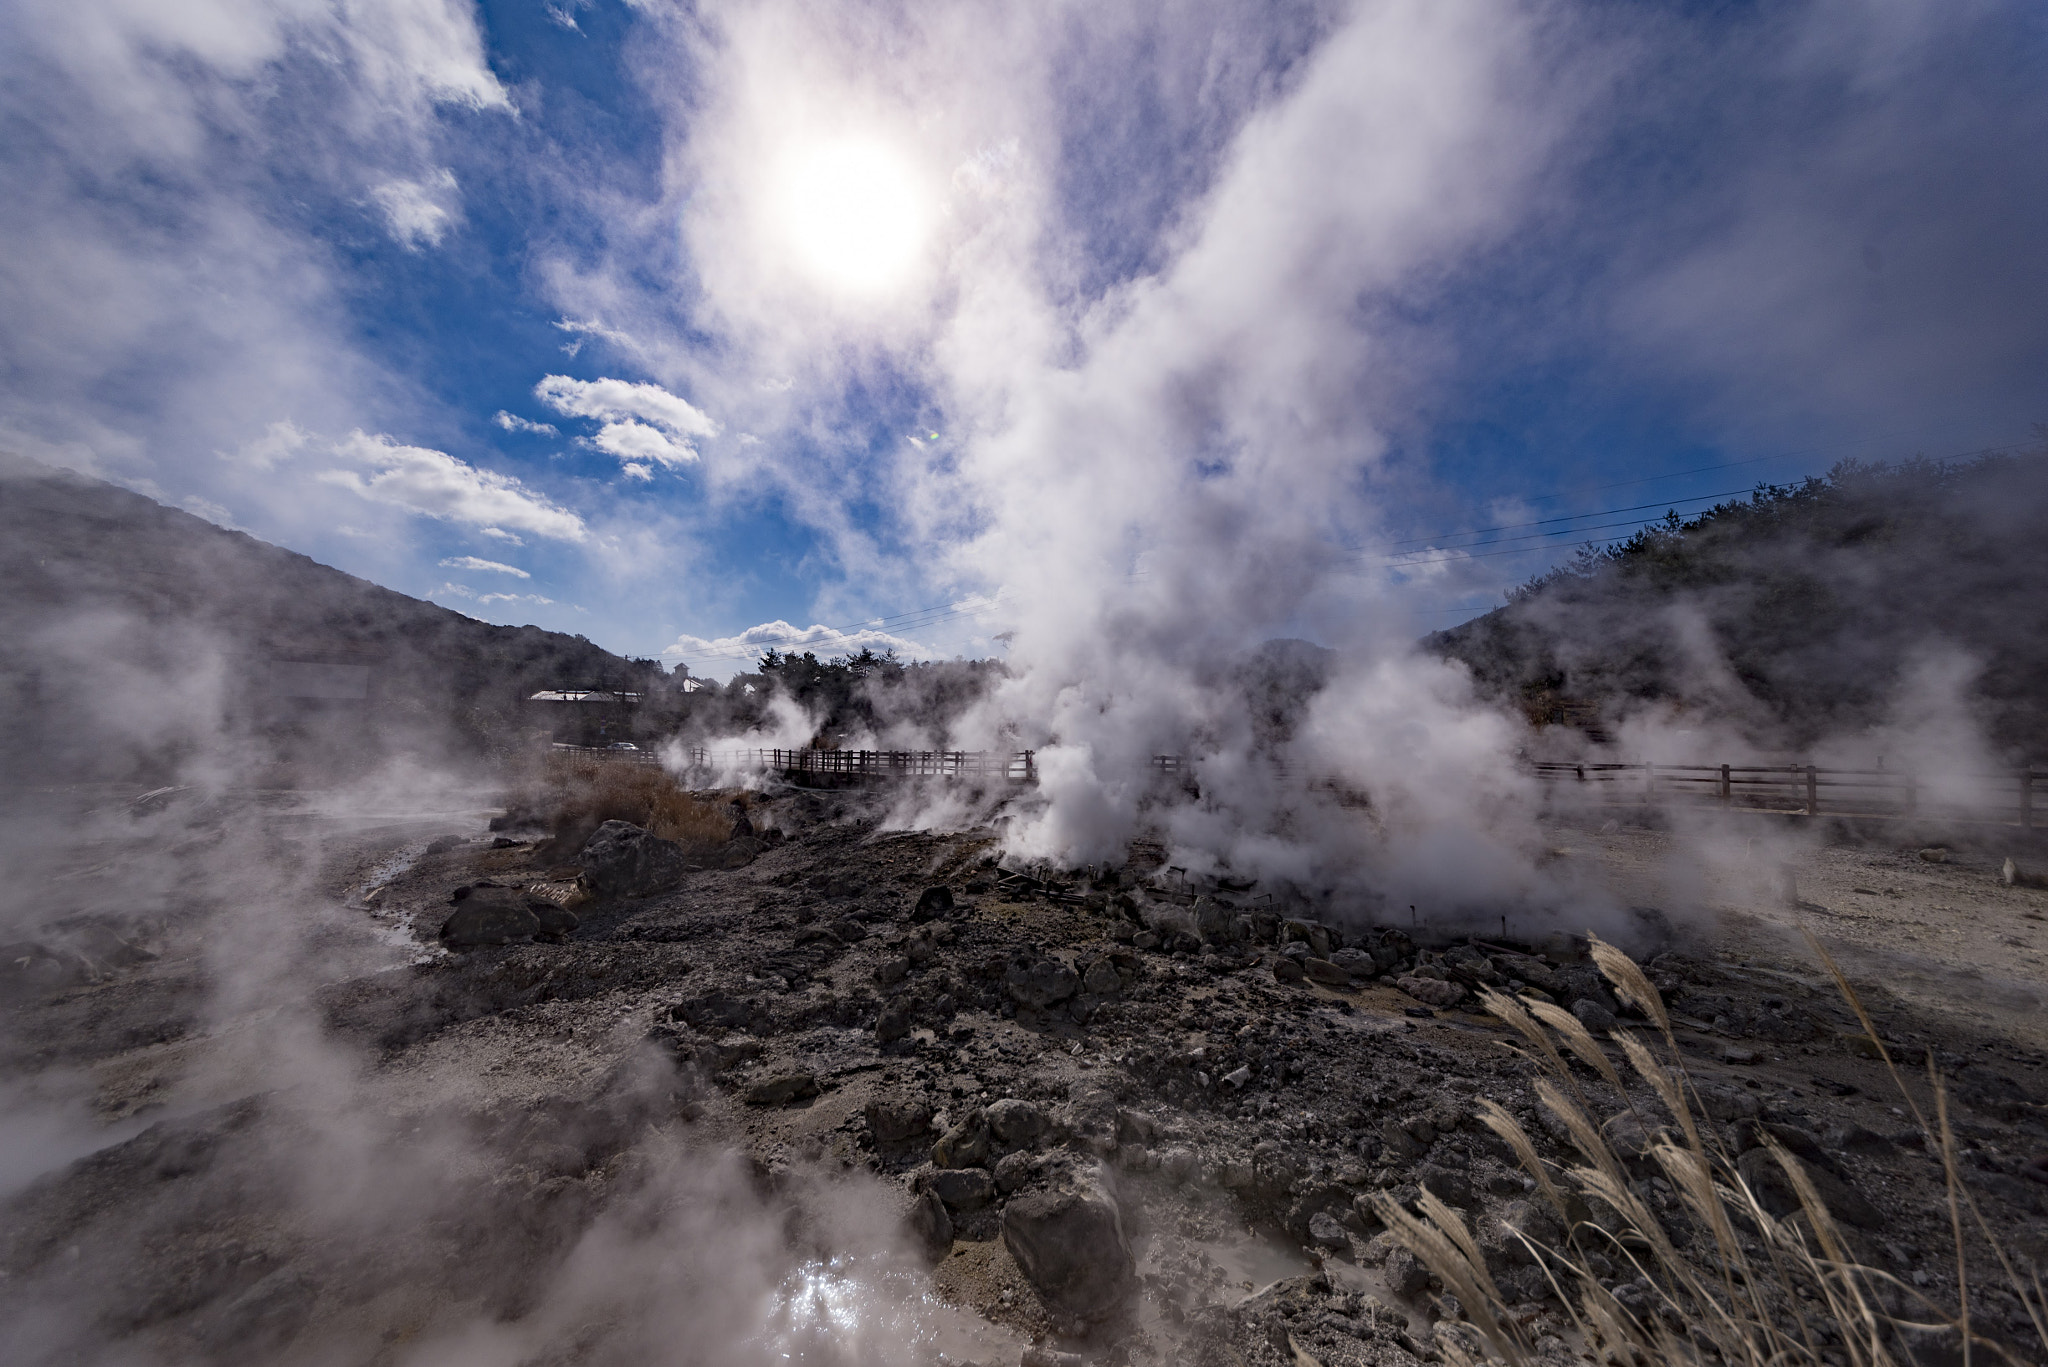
[(1015, 1123), (962, 1189), (783, 1089), (1431, 991), (965, 1145), (1070, 1243), (933, 901), (930, 1224), (1592, 1014), (489, 916), (622, 860), (895, 1120), (1041, 983)]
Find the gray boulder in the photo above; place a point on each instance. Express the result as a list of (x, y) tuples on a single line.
[(1041, 984), (489, 916), (895, 1120), (1016, 1123), (622, 860), (930, 1225), (963, 1189), (1070, 1243), (965, 1145)]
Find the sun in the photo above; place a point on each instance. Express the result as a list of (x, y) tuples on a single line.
[(854, 214)]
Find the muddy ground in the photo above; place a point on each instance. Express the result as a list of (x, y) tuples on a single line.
[(259, 1113)]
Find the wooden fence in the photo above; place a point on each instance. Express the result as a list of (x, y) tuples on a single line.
[(1015, 766), (1805, 788)]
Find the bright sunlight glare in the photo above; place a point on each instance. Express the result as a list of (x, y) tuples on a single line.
[(854, 214)]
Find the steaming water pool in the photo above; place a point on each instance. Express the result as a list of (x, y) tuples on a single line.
[(853, 1312)]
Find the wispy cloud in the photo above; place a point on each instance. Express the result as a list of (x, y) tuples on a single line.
[(512, 422), (420, 213), (471, 562), (436, 484)]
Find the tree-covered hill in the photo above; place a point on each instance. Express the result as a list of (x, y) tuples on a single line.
[(1794, 613), (133, 635)]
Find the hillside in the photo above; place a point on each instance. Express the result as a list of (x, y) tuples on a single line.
[(134, 636), (1798, 612)]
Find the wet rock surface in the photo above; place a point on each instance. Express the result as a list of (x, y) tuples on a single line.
[(1113, 1121)]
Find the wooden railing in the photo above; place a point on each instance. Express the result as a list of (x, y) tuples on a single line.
[(1014, 766), (1808, 789)]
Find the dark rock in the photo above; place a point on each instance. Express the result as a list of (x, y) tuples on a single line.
[(739, 853), (1325, 972), (1503, 1236), (962, 1189), (895, 1021), (1592, 1014), (1040, 984), (1070, 1243), (1406, 1277), (443, 844), (930, 1224), (714, 1011), (965, 1145), (1451, 1187), (1286, 970), (892, 970), (1324, 1231), (896, 1120), (933, 901), (622, 860), (1102, 979), (556, 922), (1016, 1123), (1014, 1170), (489, 916), (783, 1089), (1775, 1192)]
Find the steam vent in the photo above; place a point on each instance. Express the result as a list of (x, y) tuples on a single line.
[(745, 683)]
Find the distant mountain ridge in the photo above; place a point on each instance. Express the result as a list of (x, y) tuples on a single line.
[(134, 634)]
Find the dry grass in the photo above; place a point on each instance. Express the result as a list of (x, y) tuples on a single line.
[(1719, 1279), (575, 794)]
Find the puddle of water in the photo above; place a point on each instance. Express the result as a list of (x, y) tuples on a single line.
[(849, 1312)]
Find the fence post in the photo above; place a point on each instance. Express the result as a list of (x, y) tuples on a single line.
[(1727, 789), (1812, 791)]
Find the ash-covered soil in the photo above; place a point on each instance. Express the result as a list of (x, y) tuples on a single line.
[(866, 1095)]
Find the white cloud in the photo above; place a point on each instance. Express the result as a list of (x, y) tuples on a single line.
[(435, 484), (636, 441), (583, 330), (512, 422), (633, 469), (500, 534), (420, 212), (642, 422), (739, 652), (471, 562)]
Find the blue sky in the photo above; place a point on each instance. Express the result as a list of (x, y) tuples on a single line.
[(1188, 323)]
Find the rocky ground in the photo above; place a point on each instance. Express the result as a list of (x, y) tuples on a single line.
[(479, 1098)]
